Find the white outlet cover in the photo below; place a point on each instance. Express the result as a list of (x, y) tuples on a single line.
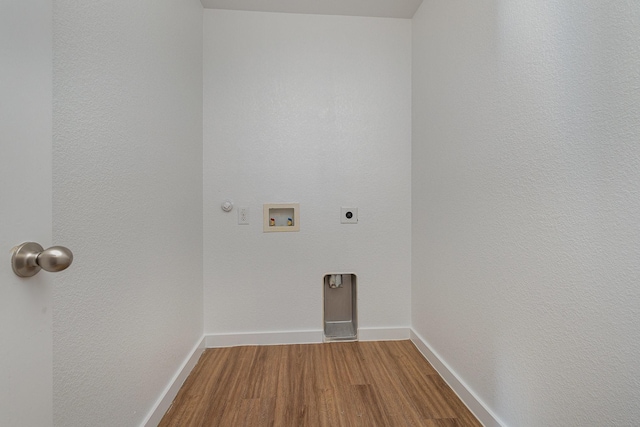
[(243, 216), (344, 215)]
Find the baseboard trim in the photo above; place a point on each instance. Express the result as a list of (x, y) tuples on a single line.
[(263, 338), (468, 397), (384, 334), (299, 337), (170, 392)]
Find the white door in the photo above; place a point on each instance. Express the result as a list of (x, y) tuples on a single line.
[(25, 210)]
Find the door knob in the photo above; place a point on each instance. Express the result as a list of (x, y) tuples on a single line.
[(30, 257)]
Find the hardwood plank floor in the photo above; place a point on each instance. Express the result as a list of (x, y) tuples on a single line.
[(316, 385)]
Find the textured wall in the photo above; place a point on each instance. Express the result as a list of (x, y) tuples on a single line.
[(128, 201), (310, 109), (526, 204)]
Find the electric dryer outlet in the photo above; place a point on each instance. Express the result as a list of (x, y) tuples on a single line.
[(349, 215)]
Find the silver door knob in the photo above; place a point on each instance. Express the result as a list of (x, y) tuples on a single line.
[(30, 257)]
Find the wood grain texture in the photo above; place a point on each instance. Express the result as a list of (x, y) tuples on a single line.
[(335, 384)]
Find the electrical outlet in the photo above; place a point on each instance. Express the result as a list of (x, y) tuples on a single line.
[(243, 216), (349, 215)]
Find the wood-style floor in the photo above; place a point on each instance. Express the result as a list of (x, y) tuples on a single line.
[(336, 384)]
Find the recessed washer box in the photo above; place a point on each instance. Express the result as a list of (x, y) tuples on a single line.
[(280, 217)]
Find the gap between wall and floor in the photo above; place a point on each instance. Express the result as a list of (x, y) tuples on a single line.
[(468, 397)]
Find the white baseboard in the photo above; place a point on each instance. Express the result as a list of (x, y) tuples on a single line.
[(299, 337), (170, 392), (263, 338), (475, 405), (384, 334)]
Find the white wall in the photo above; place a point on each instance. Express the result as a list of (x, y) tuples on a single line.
[(311, 109), (526, 204), (128, 202)]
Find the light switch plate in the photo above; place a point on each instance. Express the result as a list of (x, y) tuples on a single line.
[(349, 215)]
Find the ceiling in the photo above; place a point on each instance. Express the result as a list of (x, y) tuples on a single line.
[(377, 8)]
